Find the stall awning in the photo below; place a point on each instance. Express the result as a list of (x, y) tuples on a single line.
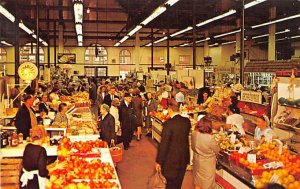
[(271, 66)]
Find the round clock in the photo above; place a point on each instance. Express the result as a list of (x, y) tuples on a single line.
[(28, 71)]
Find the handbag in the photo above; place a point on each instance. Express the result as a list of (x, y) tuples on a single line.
[(157, 181)]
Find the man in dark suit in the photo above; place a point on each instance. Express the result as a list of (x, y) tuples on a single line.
[(109, 97), (25, 117), (173, 151), (127, 120), (107, 125)]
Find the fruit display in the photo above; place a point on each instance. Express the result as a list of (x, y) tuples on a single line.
[(282, 176), (92, 173), (81, 170), (160, 115)]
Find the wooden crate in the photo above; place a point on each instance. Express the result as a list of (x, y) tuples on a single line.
[(10, 170)]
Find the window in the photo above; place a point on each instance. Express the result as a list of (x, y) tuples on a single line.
[(28, 53), (125, 57), (2, 55), (91, 71), (95, 54)]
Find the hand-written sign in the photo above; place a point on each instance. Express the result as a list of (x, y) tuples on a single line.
[(251, 96)]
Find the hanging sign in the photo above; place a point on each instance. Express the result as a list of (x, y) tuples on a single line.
[(28, 71)]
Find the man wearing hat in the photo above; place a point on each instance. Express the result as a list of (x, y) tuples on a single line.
[(127, 119), (107, 125)]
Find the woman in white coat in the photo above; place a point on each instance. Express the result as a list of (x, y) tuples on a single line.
[(114, 111)]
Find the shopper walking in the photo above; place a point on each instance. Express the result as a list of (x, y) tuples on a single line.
[(114, 111), (138, 109), (205, 149), (107, 125), (127, 119), (150, 106), (109, 97), (93, 98), (173, 151)]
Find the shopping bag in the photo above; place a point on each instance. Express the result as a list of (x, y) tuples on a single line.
[(157, 181), (116, 153)]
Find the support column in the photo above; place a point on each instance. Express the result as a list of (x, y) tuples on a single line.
[(194, 36), (272, 37), (17, 48), (206, 47), (37, 56), (152, 43), (242, 57), (60, 38), (168, 52), (238, 36), (137, 50), (54, 45)]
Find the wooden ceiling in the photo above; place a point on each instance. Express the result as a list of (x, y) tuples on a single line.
[(110, 20)]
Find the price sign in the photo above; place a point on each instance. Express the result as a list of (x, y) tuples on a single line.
[(251, 158), (251, 96)]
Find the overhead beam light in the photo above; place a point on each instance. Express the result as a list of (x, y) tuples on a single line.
[(78, 28), (160, 40), (80, 38), (266, 35), (202, 40), (7, 14), (155, 14), (5, 43), (148, 45), (137, 28), (25, 28), (296, 36), (124, 39), (228, 33), (276, 21), (253, 3), (229, 42), (230, 12), (117, 44), (183, 45), (44, 43), (171, 2), (182, 31), (212, 45), (78, 12)]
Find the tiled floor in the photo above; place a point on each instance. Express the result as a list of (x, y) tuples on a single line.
[(138, 164)]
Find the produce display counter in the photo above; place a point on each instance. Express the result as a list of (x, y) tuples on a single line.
[(236, 176)]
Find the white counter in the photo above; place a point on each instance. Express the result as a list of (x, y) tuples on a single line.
[(19, 150)]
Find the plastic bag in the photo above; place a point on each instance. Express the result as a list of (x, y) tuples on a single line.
[(157, 180)]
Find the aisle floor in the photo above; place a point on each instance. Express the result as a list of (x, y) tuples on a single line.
[(139, 163)]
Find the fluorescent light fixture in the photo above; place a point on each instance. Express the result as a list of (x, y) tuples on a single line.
[(265, 35), (155, 14), (228, 33), (23, 27), (80, 44), (174, 47), (148, 45), (124, 39), (160, 40), (7, 14), (182, 31), (276, 21), (78, 12), (215, 44), (296, 36), (44, 43), (230, 12), (284, 31), (171, 2), (137, 28), (5, 43), (202, 40), (34, 36), (253, 3), (229, 42), (117, 44), (281, 39), (183, 45), (80, 38), (78, 29), (260, 36)]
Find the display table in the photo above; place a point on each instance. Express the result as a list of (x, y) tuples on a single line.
[(48, 129)]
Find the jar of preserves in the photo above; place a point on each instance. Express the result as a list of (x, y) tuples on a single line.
[(14, 140), (4, 139), (20, 137)]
